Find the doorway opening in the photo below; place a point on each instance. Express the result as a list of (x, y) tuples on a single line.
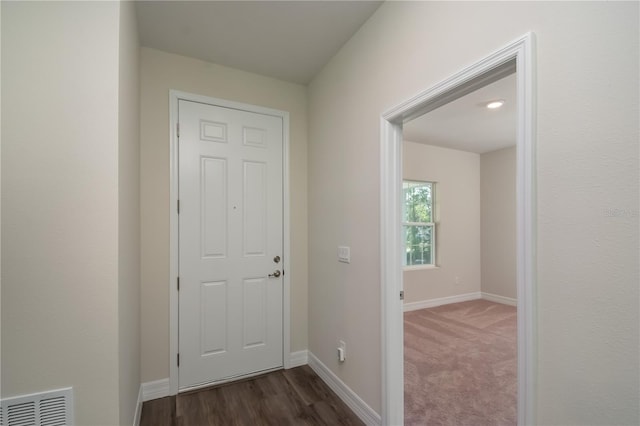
[(516, 57), (459, 262)]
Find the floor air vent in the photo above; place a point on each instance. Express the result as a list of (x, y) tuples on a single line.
[(54, 408)]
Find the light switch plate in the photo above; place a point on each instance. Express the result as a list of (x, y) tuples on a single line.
[(344, 254)]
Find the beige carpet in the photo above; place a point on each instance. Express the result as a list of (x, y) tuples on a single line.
[(460, 365)]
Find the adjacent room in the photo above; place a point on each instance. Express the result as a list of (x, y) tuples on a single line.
[(459, 222)]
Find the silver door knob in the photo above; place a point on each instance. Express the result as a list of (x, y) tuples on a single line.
[(276, 259), (276, 274)]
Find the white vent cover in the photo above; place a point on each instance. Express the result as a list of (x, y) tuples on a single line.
[(53, 408)]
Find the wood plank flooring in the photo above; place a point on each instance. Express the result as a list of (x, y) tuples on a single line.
[(286, 397)]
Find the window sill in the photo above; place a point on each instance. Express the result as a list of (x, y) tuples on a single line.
[(419, 267)]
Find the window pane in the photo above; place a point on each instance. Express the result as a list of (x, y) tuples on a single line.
[(418, 246), (418, 201)]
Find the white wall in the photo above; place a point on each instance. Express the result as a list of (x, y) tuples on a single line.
[(0, 202), (60, 203), (587, 199), (128, 213), (161, 72), (457, 174), (70, 192), (498, 219)]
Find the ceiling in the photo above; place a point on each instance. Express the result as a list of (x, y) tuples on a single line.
[(287, 40), (466, 124), (293, 40)]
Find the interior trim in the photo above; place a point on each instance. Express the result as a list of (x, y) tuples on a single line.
[(367, 414), (518, 54), (174, 97)]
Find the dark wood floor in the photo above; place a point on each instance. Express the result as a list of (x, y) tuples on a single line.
[(286, 397)]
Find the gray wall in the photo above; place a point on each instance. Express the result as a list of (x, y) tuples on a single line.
[(587, 53), (129, 213), (498, 222), (457, 177), (69, 210)]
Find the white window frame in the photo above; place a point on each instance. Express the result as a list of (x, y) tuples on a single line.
[(432, 224)]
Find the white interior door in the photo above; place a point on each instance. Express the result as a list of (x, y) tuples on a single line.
[(230, 241)]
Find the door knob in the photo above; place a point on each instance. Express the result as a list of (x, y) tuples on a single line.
[(276, 259), (276, 274)]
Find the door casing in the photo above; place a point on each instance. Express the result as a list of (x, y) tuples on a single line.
[(174, 97), (518, 54)]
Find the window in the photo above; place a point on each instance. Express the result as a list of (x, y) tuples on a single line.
[(418, 223)]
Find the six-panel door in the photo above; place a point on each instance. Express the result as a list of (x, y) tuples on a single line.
[(230, 174)]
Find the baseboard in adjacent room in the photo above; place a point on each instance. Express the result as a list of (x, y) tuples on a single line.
[(499, 299), (432, 303), (344, 392), (156, 389), (298, 358), (136, 417)]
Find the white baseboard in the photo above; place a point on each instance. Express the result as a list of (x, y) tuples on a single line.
[(296, 359), (138, 414), (348, 396), (432, 303), (156, 389), (499, 299)]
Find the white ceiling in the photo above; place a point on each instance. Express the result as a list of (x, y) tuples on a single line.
[(293, 40), (288, 40), (466, 124)]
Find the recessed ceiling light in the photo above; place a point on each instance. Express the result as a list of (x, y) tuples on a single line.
[(495, 104)]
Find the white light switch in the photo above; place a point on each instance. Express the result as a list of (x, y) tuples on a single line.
[(344, 254)]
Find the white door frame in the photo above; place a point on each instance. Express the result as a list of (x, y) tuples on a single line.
[(174, 97), (521, 54)]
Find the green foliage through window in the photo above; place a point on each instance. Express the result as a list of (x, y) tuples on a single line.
[(418, 223)]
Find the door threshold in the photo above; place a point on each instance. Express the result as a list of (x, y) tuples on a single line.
[(232, 379)]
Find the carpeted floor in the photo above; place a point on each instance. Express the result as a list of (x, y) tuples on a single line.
[(460, 365)]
